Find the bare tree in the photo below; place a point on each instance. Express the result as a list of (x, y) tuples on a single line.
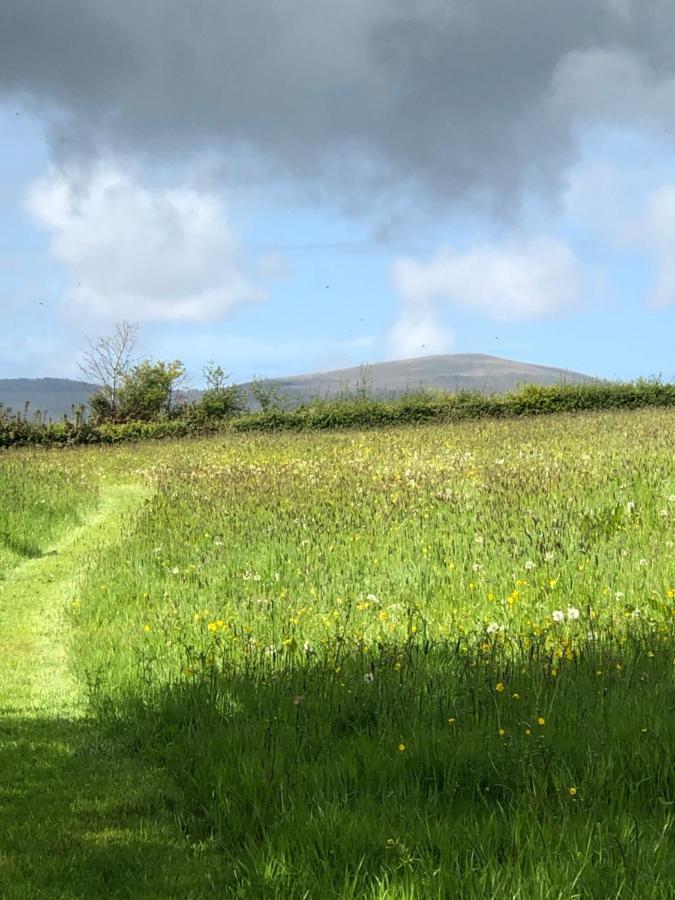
[(105, 362)]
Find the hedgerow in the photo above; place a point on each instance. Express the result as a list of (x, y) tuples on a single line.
[(355, 412)]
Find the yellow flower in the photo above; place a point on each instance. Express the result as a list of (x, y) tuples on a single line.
[(500, 687), (541, 720), (147, 628), (528, 731), (401, 748), (572, 791), (501, 732), (452, 720), (515, 696)]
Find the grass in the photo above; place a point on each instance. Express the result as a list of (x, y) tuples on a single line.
[(428, 662)]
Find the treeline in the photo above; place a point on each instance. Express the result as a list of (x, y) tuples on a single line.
[(356, 411)]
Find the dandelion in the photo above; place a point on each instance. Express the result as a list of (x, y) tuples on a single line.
[(369, 678), (528, 731), (558, 615), (635, 614), (147, 628), (499, 687), (541, 720), (548, 556), (452, 720), (572, 791), (529, 565), (515, 696), (307, 647), (401, 748), (572, 613), (501, 732), (493, 628)]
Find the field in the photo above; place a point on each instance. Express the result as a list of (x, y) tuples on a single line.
[(428, 662)]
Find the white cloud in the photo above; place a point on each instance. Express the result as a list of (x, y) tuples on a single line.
[(418, 332), (530, 279), (139, 252), (656, 232)]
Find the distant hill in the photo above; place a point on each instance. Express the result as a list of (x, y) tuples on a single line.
[(53, 396), (451, 372)]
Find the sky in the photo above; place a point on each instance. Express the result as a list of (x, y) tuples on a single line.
[(288, 186)]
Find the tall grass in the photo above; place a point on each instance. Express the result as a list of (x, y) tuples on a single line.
[(40, 497), (430, 662)]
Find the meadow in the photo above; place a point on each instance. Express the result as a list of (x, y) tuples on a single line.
[(417, 662)]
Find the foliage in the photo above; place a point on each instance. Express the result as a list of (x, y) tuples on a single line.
[(220, 400), (424, 407), (147, 390), (266, 394)]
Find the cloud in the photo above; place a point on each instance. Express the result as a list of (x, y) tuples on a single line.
[(531, 279), (138, 252), (449, 100), (655, 233)]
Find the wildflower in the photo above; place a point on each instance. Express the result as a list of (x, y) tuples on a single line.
[(147, 628), (493, 628), (501, 732), (643, 563), (528, 731), (452, 720), (548, 556), (499, 687), (572, 613), (307, 647), (572, 791), (529, 565), (515, 696), (558, 615), (401, 748), (541, 720), (369, 678), (635, 614)]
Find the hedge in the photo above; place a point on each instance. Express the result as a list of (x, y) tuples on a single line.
[(425, 406)]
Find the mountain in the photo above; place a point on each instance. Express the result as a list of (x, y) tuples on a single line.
[(452, 372), (52, 396)]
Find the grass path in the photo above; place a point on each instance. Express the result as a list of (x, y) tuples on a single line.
[(79, 816)]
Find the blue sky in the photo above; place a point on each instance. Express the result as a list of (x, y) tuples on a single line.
[(302, 261)]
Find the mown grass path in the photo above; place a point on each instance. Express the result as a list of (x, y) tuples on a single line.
[(79, 817)]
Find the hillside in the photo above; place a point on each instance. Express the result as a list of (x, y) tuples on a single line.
[(53, 396), (451, 372)]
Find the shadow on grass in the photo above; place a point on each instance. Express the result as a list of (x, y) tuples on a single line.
[(426, 775), (80, 819)]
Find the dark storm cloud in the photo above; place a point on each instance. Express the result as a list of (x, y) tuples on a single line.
[(450, 97)]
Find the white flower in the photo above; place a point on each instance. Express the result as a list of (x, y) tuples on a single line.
[(372, 598), (175, 570), (479, 539), (636, 614), (476, 567), (369, 678), (630, 506), (548, 556), (307, 647), (529, 565), (558, 615), (642, 562), (619, 595), (572, 613), (493, 628)]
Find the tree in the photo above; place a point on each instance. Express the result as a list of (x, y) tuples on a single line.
[(220, 400), (147, 390), (266, 393), (106, 362)]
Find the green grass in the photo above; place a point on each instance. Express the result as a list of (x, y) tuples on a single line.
[(414, 663)]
